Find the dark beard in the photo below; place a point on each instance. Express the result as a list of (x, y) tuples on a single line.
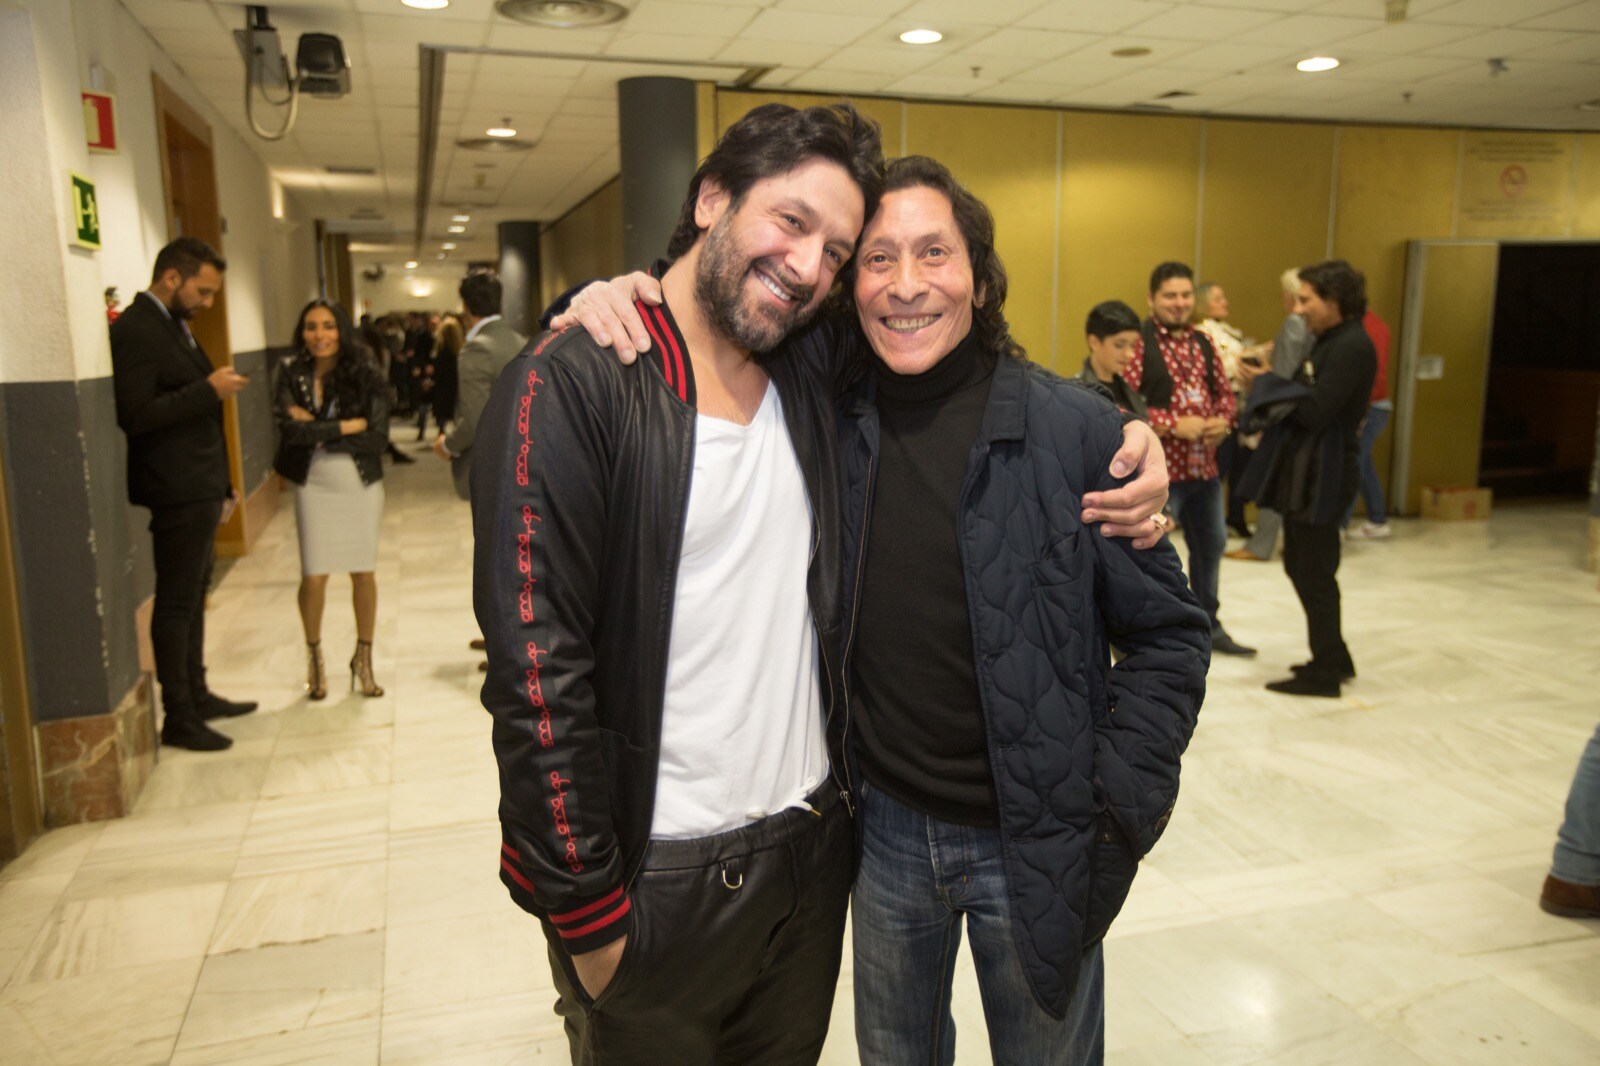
[(179, 312), (719, 292)]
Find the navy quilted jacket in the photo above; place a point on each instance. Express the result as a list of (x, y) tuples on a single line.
[(1085, 755)]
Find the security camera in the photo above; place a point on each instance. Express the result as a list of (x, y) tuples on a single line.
[(321, 69), (324, 68)]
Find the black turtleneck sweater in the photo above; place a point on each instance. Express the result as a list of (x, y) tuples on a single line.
[(917, 712)]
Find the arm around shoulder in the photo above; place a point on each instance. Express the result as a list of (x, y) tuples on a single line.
[(1156, 689)]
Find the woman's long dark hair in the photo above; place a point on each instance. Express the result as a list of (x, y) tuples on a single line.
[(355, 371)]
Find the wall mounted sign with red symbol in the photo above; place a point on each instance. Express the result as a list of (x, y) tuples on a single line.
[(100, 121), (1515, 184)]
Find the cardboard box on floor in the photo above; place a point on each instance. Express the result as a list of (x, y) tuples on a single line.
[(1456, 503)]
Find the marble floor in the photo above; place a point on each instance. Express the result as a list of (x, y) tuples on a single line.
[(1345, 881)]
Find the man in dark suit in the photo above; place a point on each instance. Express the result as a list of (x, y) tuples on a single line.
[(169, 403), (491, 343)]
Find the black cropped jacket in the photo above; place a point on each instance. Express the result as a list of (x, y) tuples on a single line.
[(297, 441)]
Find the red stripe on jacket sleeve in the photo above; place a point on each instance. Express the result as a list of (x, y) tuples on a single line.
[(599, 923), (585, 911)]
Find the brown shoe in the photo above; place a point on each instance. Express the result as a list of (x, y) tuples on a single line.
[(478, 644), (1246, 554), (1569, 900)]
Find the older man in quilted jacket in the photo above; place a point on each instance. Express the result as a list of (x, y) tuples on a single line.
[(1010, 778)]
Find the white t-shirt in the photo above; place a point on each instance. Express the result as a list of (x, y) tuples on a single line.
[(741, 736)]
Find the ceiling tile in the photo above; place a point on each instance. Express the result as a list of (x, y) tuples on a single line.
[(1501, 43), (839, 81), (1309, 33), (1094, 16), (810, 27), (887, 60), (1195, 23), (1405, 38), (1039, 44), (1583, 17), (661, 46), (687, 20), (1491, 12), (773, 54), (1229, 56)]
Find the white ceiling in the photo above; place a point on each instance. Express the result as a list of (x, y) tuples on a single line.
[(1236, 56)]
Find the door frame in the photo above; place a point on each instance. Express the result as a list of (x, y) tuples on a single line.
[(23, 800), (194, 208)]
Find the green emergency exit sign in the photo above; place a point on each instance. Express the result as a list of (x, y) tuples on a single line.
[(85, 213)]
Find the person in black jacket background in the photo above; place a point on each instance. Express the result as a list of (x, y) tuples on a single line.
[(169, 403), (1339, 372), (332, 408)]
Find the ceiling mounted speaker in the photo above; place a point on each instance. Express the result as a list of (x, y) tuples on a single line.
[(494, 144), (563, 14)]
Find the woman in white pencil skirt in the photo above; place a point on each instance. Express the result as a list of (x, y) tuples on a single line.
[(332, 409)]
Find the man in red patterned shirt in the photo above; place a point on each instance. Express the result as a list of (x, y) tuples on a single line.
[(1193, 410)]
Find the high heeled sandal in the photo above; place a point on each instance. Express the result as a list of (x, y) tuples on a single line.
[(316, 672), (361, 670)]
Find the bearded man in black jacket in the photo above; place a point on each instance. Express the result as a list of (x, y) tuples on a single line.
[(169, 403)]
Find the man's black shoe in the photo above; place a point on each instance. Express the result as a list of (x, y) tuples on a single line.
[(1306, 684), (193, 734), (213, 706), (1223, 644), (1345, 673)]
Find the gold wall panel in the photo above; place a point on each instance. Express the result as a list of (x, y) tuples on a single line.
[(1586, 186), (1447, 414), (1007, 157), (1395, 185), (1129, 200), (1265, 209), (732, 106), (584, 243)]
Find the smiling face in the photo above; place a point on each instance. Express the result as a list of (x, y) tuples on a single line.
[(1173, 303), (914, 284), (319, 333), (1321, 315), (769, 259)]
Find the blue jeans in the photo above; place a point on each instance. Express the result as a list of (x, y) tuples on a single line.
[(1199, 508), (1577, 858), (919, 878), (1371, 486)]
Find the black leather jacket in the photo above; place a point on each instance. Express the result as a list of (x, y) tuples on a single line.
[(581, 477), (297, 441)]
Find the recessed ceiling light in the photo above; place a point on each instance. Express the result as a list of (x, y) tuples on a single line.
[(457, 229), (427, 5), (922, 37), (500, 131), (411, 264), (1316, 64), (1130, 53), (460, 218), (448, 246)]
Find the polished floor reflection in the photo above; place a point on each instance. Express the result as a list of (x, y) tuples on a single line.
[(1348, 880)]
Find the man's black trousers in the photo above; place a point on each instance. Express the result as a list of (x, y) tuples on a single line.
[(1311, 559), (184, 538), (734, 952)]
